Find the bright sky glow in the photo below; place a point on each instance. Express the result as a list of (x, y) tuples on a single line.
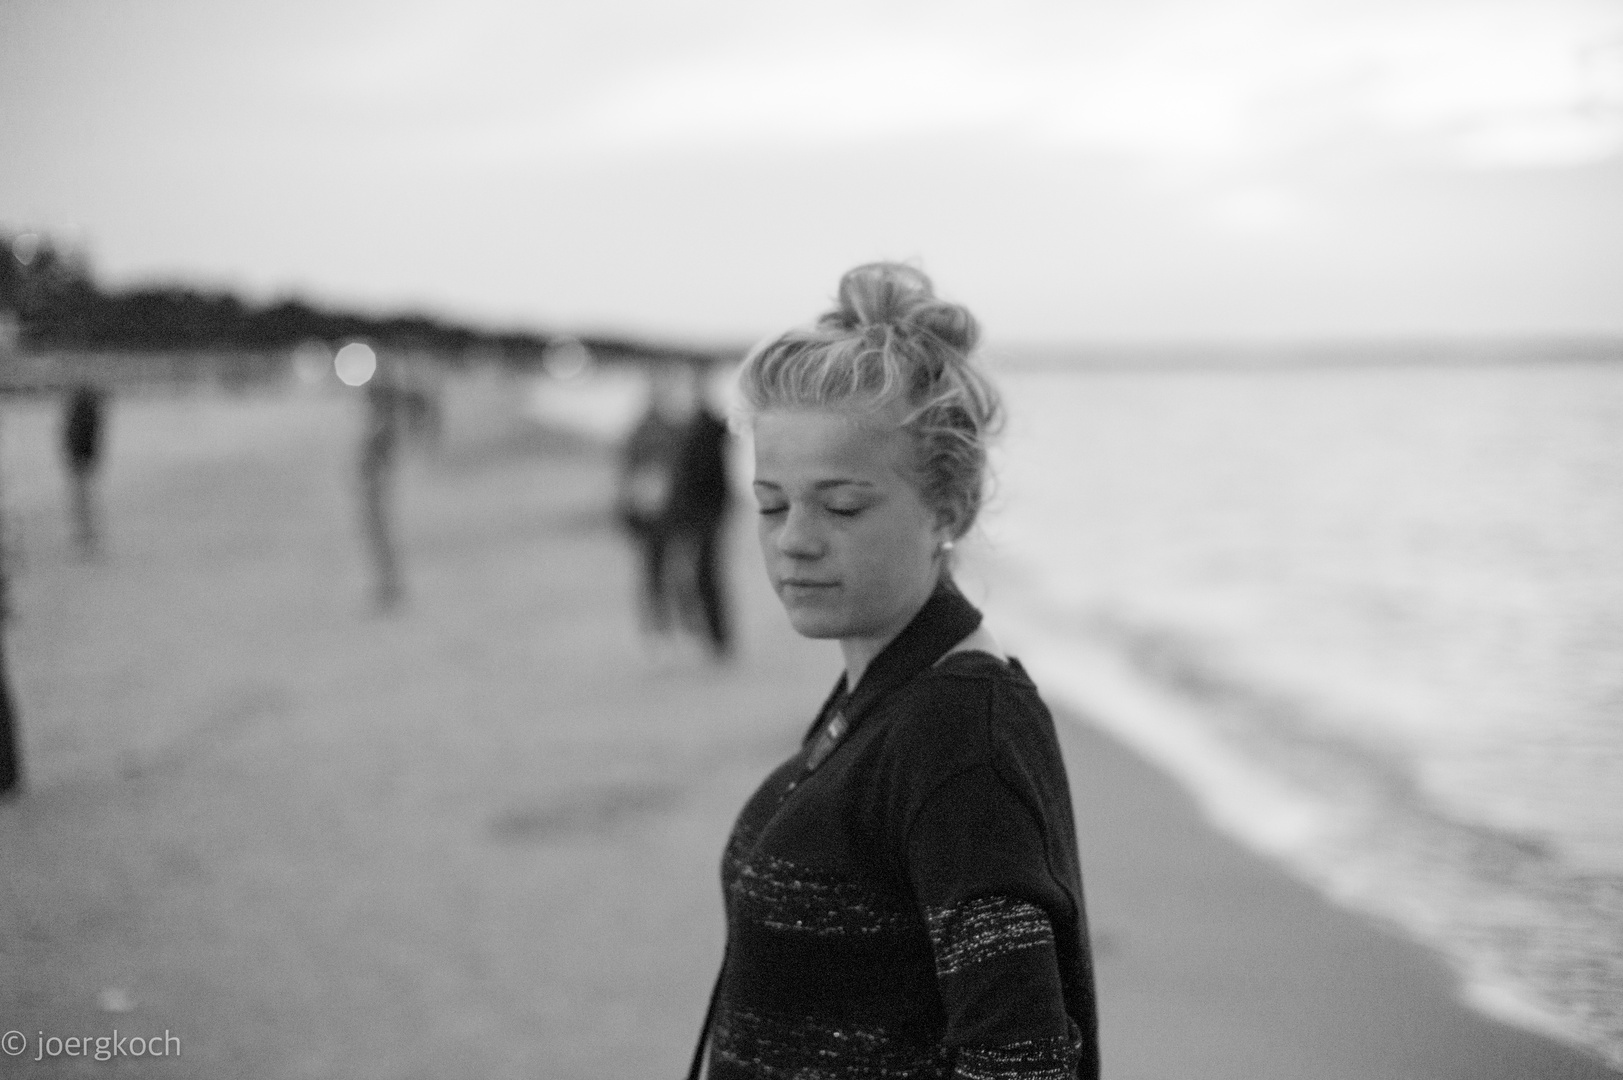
[(1528, 84), (1113, 168)]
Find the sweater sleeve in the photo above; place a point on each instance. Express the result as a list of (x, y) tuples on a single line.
[(979, 871)]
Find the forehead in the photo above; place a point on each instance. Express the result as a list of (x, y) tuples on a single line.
[(827, 444)]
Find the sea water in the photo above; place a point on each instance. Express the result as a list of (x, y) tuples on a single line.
[(1371, 614)]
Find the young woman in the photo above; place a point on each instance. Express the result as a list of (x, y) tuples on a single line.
[(903, 895)]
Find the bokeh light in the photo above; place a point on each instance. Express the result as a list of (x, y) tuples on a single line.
[(355, 364), (24, 247), (566, 358)]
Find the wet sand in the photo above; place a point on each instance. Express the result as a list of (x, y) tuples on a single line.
[(480, 837)]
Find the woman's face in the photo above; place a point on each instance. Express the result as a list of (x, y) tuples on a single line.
[(850, 548)]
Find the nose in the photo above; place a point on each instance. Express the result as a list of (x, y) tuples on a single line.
[(798, 538)]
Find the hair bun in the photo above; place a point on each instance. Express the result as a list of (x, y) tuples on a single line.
[(890, 349), (901, 297)]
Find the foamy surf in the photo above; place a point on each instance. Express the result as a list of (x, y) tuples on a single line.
[(1527, 952)]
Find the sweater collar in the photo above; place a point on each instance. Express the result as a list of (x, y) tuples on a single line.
[(946, 618)]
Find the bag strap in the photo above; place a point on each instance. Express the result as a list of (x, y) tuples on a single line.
[(695, 1069)]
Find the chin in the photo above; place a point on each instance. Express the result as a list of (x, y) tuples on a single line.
[(815, 624)]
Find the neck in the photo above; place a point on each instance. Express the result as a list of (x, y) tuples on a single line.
[(858, 655), (860, 652)]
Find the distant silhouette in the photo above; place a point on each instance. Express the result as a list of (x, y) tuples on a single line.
[(83, 432), (11, 763), (379, 449), (643, 501), (700, 498)]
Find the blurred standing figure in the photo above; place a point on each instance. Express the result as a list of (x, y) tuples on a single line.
[(83, 430), (643, 501), (700, 498), (380, 440)]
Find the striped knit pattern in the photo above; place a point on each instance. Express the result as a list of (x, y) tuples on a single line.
[(983, 930), (805, 1048), (1044, 1059), (780, 895)]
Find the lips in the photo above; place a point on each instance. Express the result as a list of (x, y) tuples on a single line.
[(796, 585)]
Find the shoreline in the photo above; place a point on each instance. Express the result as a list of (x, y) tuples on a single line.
[(1282, 980), (481, 837), (1275, 818), (1106, 711)]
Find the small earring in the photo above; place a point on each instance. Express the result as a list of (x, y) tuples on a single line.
[(946, 546)]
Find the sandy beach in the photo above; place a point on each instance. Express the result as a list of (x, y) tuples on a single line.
[(480, 838)]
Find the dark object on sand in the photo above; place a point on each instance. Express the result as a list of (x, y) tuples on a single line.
[(10, 754), (11, 761)]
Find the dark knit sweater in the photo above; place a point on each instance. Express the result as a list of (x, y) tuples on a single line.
[(912, 906)]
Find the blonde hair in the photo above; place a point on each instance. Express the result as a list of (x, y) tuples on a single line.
[(890, 345)]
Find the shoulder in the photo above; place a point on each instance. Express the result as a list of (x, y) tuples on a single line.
[(970, 740), (970, 711)]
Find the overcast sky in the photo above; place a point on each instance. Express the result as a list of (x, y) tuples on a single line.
[(1073, 171)]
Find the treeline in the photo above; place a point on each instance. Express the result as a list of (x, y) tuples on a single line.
[(57, 304)]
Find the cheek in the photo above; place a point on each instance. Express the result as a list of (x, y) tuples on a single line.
[(896, 554)]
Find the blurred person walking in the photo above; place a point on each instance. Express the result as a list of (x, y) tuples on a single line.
[(379, 450), (83, 434), (903, 895), (701, 497), (645, 487)]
